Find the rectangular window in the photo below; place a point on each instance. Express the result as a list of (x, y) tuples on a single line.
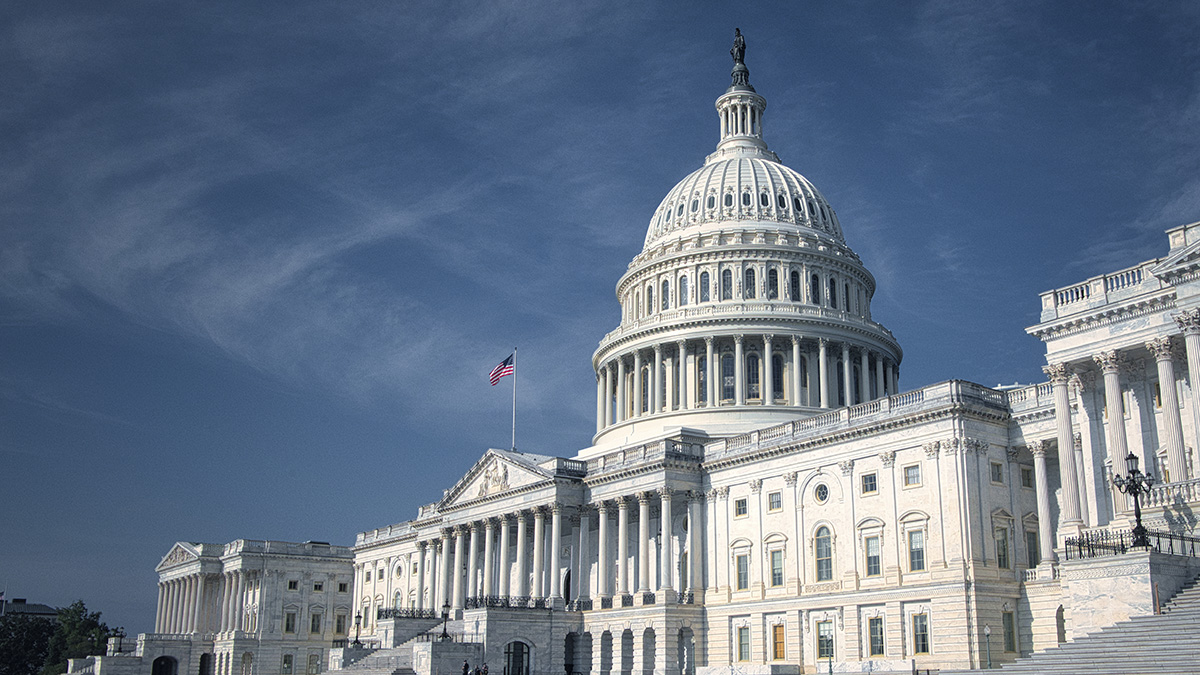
[(870, 484), (743, 571), (1002, 560), (340, 623), (1026, 477), (1010, 631), (318, 586), (912, 475), (288, 664), (920, 626), (293, 585), (998, 473), (916, 551), (743, 639), (289, 622), (875, 632), (367, 578), (825, 639), (740, 507), (1033, 548), (314, 664), (775, 501), (778, 642), (874, 568), (777, 567), (314, 624), (343, 587)]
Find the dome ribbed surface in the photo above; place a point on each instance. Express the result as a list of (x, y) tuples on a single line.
[(742, 189)]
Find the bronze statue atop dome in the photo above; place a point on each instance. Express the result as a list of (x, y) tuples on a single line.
[(739, 47)]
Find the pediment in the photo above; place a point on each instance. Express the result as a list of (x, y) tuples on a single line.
[(495, 473), (1186, 259), (181, 553)]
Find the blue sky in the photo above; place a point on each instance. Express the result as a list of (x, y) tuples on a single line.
[(257, 259)]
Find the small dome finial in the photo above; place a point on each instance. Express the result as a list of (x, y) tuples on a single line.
[(741, 74)]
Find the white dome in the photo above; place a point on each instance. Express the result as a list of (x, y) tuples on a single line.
[(741, 188)]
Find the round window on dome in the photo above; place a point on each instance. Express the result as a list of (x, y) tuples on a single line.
[(712, 201), (745, 199), (728, 199), (821, 493)]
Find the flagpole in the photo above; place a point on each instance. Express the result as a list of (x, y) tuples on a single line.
[(514, 424)]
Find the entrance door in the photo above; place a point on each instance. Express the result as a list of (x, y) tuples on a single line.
[(516, 658)]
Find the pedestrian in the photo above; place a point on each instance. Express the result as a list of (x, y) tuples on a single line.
[(485, 669), (466, 668)]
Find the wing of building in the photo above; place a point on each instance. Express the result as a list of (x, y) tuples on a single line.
[(760, 495)]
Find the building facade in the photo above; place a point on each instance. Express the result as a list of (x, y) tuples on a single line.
[(760, 495)]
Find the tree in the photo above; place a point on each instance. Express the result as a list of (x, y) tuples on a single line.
[(24, 643), (79, 633)]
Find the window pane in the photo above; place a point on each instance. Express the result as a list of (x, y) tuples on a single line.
[(743, 572), (916, 550), (748, 292), (704, 287), (875, 627), (874, 568), (920, 623), (1033, 547), (869, 483), (772, 284), (775, 501), (683, 291), (726, 285), (777, 568), (743, 638), (824, 551), (1010, 632), (1002, 560), (779, 650), (825, 639)]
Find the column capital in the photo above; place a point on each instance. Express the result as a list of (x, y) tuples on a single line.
[(1012, 454), (666, 492), (622, 502), (1077, 439), (602, 507), (846, 466), (1038, 448), (645, 497), (695, 496), (1108, 361), (539, 512), (931, 449), (887, 458), (657, 351), (823, 342), (790, 478), (768, 338), (756, 485), (795, 339), (489, 523), (1160, 347), (556, 507), (739, 339), (708, 340), (1189, 321), (1057, 372)]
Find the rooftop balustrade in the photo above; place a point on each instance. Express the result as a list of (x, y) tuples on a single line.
[(1101, 290)]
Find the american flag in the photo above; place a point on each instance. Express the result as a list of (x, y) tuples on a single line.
[(505, 368)]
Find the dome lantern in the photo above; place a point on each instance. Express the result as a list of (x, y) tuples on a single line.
[(740, 108)]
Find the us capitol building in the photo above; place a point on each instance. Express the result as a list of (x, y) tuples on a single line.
[(761, 496)]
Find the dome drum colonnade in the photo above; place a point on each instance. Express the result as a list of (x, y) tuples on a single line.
[(745, 297), (501, 561)]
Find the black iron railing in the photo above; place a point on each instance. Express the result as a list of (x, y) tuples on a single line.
[(605, 603), (688, 598), (648, 598), (627, 600), (1100, 543), (581, 605), (406, 613)]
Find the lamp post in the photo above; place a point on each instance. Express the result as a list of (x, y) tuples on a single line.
[(445, 620), (119, 633), (1135, 485), (357, 627), (987, 636)]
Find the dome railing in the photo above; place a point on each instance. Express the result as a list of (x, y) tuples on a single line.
[(781, 308)]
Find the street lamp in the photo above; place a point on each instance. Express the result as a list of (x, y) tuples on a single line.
[(119, 633), (445, 620), (987, 635), (357, 627), (1135, 484)]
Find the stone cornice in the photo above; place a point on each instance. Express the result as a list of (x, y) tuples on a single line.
[(1105, 315)]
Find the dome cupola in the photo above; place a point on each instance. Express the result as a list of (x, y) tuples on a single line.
[(745, 307)]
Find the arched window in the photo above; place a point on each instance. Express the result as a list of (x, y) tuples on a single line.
[(812, 212), (748, 291), (777, 376), (727, 386), (702, 378), (695, 205), (772, 284), (683, 291), (846, 297), (764, 200), (814, 290), (649, 300), (752, 380), (728, 199), (704, 287), (823, 547), (516, 658), (745, 199), (666, 295), (726, 285), (833, 293), (796, 206), (711, 202), (679, 211), (781, 201), (637, 304), (795, 286)]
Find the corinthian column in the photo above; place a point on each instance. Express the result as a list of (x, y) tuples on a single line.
[(623, 545), (473, 562), (522, 544), (1045, 534), (420, 575), (608, 392), (643, 541), (444, 571), (638, 384), (503, 571), (552, 551), (1066, 445), (1110, 365), (794, 399), (710, 377), (604, 569), (656, 381), (460, 543), (1189, 323), (489, 561), (847, 375), (682, 384), (1172, 433), (539, 551), (600, 377), (823, 370), (739, 371), (621, 408), (667, 537)]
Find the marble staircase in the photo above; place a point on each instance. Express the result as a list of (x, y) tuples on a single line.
[(1163, 644), (398, 660)]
